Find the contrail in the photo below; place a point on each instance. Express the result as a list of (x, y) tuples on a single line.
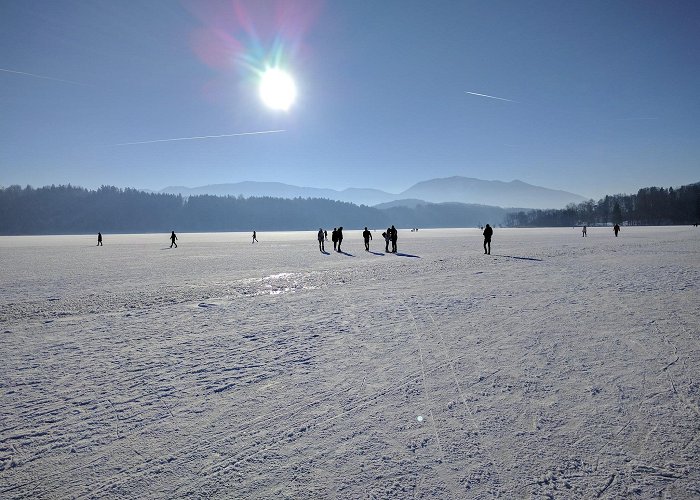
[(40, 76), (638, 118), (490, 96), (199, 137)]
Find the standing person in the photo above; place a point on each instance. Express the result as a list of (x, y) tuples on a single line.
[(616, 228), (394, 238), (255, 237), (321, 236), (387, 239), (99, 239), (488, 232), (583, 231), (325, 234), (334, 237), (339, 235), (173, 237), (367, 236)]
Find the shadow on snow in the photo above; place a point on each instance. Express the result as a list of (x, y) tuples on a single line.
[(519, 258)]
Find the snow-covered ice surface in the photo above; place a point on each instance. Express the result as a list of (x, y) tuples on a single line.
[(557, 367)]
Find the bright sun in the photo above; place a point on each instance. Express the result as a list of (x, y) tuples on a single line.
[(277, 89)]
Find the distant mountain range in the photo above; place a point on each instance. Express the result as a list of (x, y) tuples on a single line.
[(451, 189)]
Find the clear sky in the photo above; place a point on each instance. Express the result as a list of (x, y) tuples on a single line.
[(596, 97)]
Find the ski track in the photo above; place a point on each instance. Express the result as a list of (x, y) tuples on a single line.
[(557, 367)]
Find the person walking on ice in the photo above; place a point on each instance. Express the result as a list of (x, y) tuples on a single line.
[(387, 239), (255, 237), (616, 228), (321, 237), (488, 232), (394, 239), (99, 239), (173, 237), (339, 235), (367, 236), (334, 237), (583, 232)]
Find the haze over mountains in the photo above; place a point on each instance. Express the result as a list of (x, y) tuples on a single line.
[(70, 209), (451, 189)]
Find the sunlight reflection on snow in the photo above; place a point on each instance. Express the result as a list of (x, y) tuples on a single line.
[(277, 284)]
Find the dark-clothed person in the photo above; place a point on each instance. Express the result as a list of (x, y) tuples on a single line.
[(367, 236), (488, 232)]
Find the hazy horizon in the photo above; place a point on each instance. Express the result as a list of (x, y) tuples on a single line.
[(159, 189), (193, 186), (591, 98)]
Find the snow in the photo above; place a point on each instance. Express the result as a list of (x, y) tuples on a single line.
[(559, 366)]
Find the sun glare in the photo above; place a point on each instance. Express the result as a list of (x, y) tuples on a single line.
[(277, 89)]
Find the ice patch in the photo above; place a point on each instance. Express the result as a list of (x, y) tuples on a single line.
[(277, 284), (278, 276)]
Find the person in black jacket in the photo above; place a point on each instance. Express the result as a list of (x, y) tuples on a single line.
[(488, 232), (367, 236), (320, 240), (339, 236)]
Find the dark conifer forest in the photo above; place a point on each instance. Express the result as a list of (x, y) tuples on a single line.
[(651, 206), (74, 210)]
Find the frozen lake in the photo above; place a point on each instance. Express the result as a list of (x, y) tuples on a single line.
[(558, 366)]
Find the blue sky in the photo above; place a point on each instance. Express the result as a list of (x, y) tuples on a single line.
[(602, 95)]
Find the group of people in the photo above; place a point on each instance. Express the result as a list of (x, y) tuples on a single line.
[(390, 236), (337, 238)]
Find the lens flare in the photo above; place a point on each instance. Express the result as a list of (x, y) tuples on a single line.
[(258, 43), (277, 89)]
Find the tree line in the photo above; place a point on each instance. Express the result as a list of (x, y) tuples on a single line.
[(75, 210), (650, 206)]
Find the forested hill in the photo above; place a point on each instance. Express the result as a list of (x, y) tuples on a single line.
[(74, 210), (650, 206)]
